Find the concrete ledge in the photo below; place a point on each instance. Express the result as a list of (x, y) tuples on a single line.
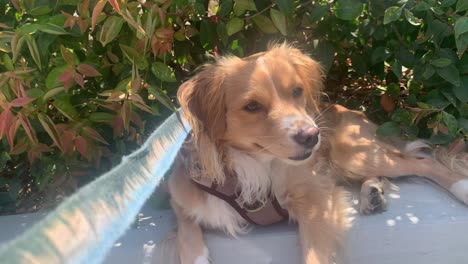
[(422, 225)]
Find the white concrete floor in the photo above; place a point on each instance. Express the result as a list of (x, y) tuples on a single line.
[(423, 224)]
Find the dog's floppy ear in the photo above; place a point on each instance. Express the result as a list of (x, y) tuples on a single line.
[(202, 101), (311, 73)]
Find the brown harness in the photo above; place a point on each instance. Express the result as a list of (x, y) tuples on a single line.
[(259, 213)]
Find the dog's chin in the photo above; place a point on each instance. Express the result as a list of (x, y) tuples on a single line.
[(306, 154)]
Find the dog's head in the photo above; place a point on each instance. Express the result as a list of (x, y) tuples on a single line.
[(265, 103)]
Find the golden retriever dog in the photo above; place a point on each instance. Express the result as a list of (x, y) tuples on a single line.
[(259, 127)]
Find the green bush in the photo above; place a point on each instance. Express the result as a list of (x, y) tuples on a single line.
[(82, 82)]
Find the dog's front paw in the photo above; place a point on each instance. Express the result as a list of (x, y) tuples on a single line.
[(372, 198), (460, 190), (203, 259)]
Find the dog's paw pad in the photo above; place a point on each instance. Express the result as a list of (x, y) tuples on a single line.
[(460, 190), (372, 200)]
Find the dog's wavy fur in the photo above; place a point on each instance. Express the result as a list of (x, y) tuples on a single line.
[(259, 146)]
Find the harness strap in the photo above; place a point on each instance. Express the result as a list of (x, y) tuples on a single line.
[(258, 214)]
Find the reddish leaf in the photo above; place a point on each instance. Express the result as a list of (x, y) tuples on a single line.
[(6, 118), (117, 124), (132, 135), (24, 121), (2, 25), (82, 146), (115, 5), (67, 142), (19, 148), (98, 7), (32, 156), (143, 107), (161, 42), (70, 22), (136, 119), (125, 113), (79, 79), (387, 103), (42, 148), (12, 131), (94, 135), (82, 24), (442, 128), (67, 79), (88, 70), (457, 146), (115, 96), (50, 128), (16, 4), (22, 101)]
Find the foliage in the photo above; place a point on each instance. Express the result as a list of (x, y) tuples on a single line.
[(81, 82)]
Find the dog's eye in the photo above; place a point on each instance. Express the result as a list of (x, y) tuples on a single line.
[(253, 107), (297, 92)]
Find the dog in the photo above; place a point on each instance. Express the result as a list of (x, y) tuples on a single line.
[(263, 148)]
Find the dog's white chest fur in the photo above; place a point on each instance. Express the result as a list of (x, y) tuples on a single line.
[(254, 180)]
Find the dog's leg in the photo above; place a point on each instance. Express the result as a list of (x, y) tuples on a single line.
[(321, 211), (372, 158), (372, 197), (190, 244)]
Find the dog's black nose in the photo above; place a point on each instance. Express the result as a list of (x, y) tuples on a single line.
[(307, 137)]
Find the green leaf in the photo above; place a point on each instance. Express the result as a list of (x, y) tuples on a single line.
[(396, 68), (34, 93), (264, 24), (163, 72), (379, 54), (64, 106), (234, 25), (443, 62), (348, 9), (208, 34), (110, 30), (412, 19), (225, 7), (392, 13), (461, 91), (240, 6), (428, 72), (53, 29), (52, 78), (221, 30), (461, 6), (317, 13), (101, 117), (34, 51), (461, 35), (463, 124), (4, 158), (450, 74), (393, 90), (451, 122), (447, 3), (461, 26), (389, 129), (161, 97), (7, 62), (440, 139), (324, 52), (40, 10), (279, 20), (286, 6), (450, 97)]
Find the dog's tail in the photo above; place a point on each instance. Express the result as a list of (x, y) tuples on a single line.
[(166, 250), (455, 165)]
